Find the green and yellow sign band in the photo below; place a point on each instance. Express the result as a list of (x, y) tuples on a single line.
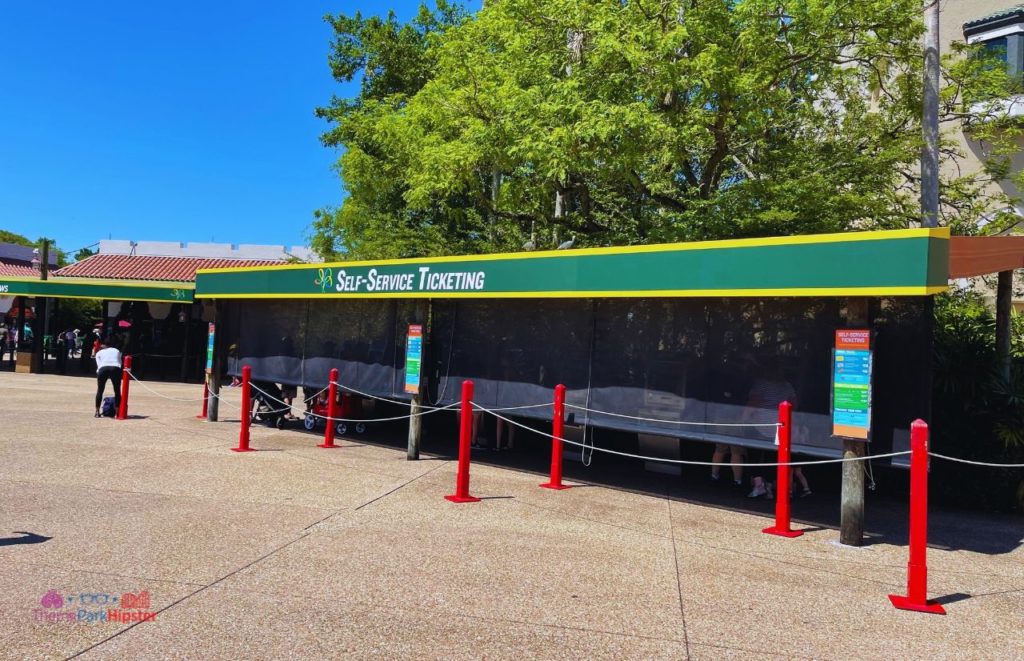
[(887, 263), (116, 290)]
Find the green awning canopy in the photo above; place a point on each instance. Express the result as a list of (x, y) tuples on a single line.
[(117, 290), (911, 262)]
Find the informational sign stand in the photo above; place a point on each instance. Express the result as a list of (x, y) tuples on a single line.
[(851, 384), (413, 358), (413, 369), (211, 334)]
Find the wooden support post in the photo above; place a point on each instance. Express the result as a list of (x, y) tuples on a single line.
[(1004, 309), (415, 404), (415, 429), (851, 519)]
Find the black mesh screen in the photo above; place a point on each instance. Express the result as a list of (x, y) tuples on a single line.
[(646, 365)]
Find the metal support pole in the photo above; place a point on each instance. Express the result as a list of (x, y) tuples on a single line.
[(917, 567), (461, 494), (206, 400), (332, 410), (558, 431), (122, 410), (243, 433), (1004, 310), (930, 118), (785, 431)]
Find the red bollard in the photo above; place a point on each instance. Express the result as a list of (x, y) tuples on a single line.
[(243, 434), (206, 400), (332, 394), (785, 430), (557, 430), (461, 494), (122, 410), (917, 567)]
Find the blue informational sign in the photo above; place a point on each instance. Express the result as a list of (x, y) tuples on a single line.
[(209, 347), (413, 358), (851, 384)]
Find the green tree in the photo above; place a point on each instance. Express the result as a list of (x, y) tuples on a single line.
[(534, 121)]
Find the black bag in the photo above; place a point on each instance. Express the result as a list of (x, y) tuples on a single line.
[(108, 409)]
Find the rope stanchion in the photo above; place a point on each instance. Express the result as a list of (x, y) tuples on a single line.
[(122, 409), (243, 432), (917, 567), (461, 494), (206, 400), (785, 434), (557, 431), (332, 395)]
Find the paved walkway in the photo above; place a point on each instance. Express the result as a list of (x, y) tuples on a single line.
[(300, 552)]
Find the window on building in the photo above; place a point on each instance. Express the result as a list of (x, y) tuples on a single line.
[(1002, 35)]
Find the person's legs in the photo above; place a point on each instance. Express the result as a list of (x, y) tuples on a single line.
[(736, 454), (717, 458), (101, 381), (798, 473)]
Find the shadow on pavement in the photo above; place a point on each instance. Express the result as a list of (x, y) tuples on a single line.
[(26, 538)]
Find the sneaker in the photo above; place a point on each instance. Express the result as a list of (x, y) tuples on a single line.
[(758, 492), (805, 493)]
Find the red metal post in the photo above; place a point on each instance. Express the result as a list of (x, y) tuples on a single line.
[(557, 430), (461, 494), (332, 395), (206, 399), (122, 410), (917, 567), (243, 433), (785, 431)]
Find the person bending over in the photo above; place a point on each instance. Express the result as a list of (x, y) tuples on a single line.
[(108, 367)]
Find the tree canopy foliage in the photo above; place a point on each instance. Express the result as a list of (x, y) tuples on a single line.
[(640, 121)]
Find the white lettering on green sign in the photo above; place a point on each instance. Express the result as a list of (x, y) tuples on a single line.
[(424, 280)]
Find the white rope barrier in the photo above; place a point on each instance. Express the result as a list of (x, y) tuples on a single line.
[(974, 463), (377, 397), (672, 422), (324, 417), (158, 394), (525, 406), (688, 462)]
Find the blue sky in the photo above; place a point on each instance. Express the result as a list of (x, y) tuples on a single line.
[(187, 121)]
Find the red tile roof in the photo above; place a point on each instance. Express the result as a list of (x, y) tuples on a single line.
[(21, 270), (145, 267)]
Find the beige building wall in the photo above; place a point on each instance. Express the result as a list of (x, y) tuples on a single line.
[(953, 15)]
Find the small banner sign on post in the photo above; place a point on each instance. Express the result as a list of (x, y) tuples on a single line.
[(851, 384), (413, 358), (209, 347)]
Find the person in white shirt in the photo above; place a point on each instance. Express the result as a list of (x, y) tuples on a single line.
[(108, 366)]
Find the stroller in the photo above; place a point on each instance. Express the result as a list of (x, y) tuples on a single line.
[(348, 406), (267, 407)]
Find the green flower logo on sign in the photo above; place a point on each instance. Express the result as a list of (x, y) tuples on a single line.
[(325, 279)]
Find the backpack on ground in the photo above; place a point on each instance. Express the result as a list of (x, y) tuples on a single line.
[(107, 410)]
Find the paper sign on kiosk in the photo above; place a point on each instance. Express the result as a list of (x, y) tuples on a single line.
[(851, 384)]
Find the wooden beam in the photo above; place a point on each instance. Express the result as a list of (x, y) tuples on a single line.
[(971, 256)]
